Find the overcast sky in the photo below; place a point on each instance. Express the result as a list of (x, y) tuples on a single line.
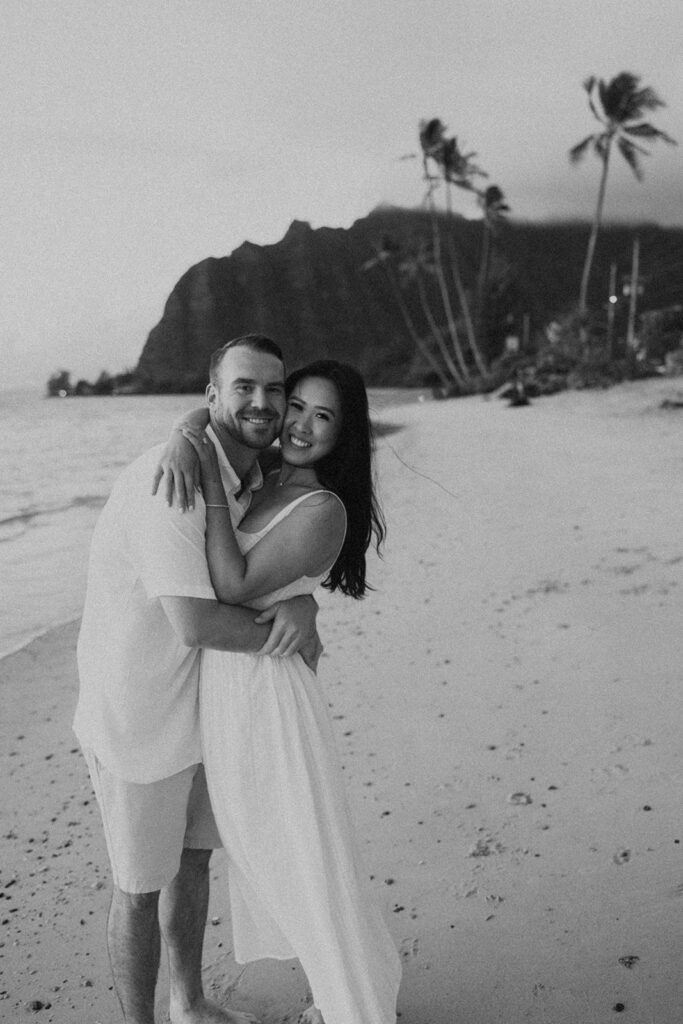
[(141, 137)]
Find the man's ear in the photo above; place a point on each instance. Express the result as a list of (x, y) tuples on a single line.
[(210, 395)]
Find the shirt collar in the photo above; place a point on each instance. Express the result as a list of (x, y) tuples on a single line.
[(232, 483)]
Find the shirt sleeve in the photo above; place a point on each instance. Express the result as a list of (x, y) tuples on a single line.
[(169, 549)]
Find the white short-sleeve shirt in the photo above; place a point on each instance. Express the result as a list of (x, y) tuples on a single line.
[(138, 700)]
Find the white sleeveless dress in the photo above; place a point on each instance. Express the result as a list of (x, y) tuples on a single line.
[(296, 886)]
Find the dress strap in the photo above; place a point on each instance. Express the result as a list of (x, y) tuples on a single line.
[(284, 512)]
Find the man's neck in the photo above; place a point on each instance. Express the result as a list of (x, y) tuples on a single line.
[(241, 458)]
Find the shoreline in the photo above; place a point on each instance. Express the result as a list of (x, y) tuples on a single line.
[(45, 534), (507, 711), (53, 628)]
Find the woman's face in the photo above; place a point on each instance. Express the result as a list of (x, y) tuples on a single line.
[(312, 421)]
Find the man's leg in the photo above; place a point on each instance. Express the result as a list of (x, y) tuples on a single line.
[(134, 943), (144, 825), (183, 908)]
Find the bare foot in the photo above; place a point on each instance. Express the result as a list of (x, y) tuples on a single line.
[(311, 1015), (209, 1013)]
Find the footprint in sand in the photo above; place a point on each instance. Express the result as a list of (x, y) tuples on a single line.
[(409, 949), (486, 848), (628, 961), (519, 798)]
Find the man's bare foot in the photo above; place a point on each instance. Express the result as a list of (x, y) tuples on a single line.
[(209, 1013), (311, 1015)]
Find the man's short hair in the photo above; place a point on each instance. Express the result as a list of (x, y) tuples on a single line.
[(256, 342)]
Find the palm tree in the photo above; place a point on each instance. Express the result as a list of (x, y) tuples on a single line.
[(414, 268), (386, 253), (493, 208), (619, 106), (455, 168)]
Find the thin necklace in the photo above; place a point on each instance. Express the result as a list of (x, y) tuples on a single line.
[(282, 483)]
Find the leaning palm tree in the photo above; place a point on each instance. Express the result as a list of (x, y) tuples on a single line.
[(619, 106), (386, 254), (453, 168), (414, 268)]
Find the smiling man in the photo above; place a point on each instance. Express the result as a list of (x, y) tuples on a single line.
[(149, 610), (246, 399)]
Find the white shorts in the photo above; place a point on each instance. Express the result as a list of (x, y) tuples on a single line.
[(146, 826)]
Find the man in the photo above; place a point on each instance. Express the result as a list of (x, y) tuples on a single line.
[(149, 609)]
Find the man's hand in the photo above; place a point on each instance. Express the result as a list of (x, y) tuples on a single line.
[(293, 630), (311, 652)]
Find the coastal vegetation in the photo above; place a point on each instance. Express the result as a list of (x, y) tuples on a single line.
[(579, 345), (430, 297), (60, 385)]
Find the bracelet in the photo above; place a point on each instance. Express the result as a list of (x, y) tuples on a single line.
[(208, 505)]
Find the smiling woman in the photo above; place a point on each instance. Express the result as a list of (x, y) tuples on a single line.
[(313, 422)]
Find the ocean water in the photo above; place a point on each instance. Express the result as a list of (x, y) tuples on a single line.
[(58, 461)]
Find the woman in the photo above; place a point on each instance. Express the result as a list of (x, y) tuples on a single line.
[(268, 745)]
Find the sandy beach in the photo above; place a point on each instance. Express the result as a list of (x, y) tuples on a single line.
[(508, 717)]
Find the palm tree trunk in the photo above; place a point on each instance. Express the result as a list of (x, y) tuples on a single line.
[(483, 273), (445, 297), (414, 336), (462, 294), (583, 294), (484, 263), (466, 314), (436, 331)]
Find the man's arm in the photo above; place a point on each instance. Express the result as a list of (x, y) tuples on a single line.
[(285, 629), (198, 622)]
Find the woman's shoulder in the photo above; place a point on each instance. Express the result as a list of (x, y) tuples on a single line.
[(327, 502), (325, 505), (317, 520), (278, 505)]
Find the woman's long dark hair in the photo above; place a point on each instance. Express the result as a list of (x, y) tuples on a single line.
[(347, 471)]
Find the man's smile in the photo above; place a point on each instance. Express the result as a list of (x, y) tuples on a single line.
[(259, 420)]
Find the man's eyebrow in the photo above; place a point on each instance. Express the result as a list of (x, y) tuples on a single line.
[(252, 380)]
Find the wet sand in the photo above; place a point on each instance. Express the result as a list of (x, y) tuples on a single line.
[(508, 717)]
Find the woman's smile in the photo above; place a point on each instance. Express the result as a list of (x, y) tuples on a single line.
[(312, 421), (298, 442)]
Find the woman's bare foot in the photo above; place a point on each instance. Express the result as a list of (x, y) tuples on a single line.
[(311, 1015), (210, 1013)]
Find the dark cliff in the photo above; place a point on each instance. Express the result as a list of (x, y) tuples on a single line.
[(309, 293)]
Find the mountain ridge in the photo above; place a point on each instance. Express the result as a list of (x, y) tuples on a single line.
[(309, 293)]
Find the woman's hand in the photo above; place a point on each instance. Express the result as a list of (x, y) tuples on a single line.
[(180, 465), (205, 450), (211, 482), (179, 460)]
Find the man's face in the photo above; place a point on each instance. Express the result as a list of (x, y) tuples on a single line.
[(247, 402)]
